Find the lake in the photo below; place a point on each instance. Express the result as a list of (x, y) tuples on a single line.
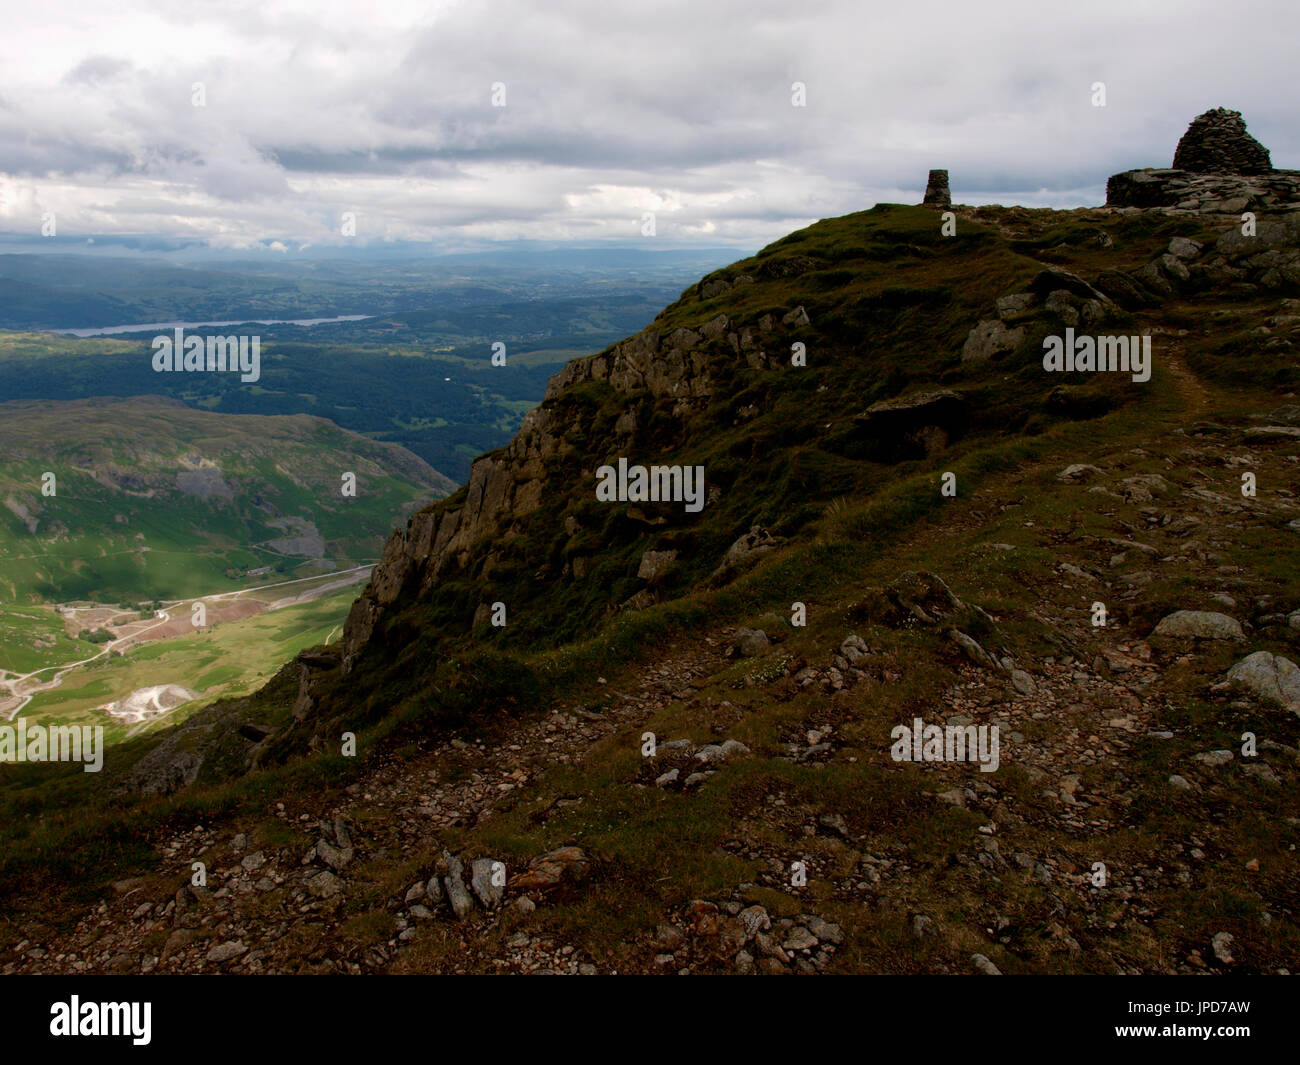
[(108, 330)]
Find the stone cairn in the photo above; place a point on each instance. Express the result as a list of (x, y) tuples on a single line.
[(1217, 143), (936, 189), (1218, 168)]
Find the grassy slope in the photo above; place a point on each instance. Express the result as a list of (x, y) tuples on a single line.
[(121, 526)]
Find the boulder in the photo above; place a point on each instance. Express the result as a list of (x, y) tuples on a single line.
[(224, 952), (1143, 488), (720, 752), (989, 338), (550, 870), (750, 642), (1269, 677), (461, 903), (1270, 234), (747, 550), (488, 891), (1155, 280), (1063, 306), (915, 425), (1023, 682), (1125, 290), (1077, 473), (1054, 279), (715, 327), (1172, 267), (1183, 248), (972, 649), (1015, 305), (1199, 625), (854, 649)]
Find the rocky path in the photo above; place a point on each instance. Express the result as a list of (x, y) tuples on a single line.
[(1173, 358), (260, 907)]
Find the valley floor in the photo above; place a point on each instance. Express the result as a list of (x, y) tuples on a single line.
[(173, 621)]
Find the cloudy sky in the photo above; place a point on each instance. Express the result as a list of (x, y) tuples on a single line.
[(612, 108)]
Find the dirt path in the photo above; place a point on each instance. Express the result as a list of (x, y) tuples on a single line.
[(329, 583), (1173, 357)]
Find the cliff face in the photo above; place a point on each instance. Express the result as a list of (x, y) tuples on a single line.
[(886, 309), (507, 486)]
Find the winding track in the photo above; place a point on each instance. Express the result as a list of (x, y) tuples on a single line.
[(11, 682)]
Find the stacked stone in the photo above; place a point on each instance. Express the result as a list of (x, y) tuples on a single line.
[(1217, 143), (1218, 168), (936, 189)]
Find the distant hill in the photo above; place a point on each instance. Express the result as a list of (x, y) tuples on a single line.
[(155, 500)]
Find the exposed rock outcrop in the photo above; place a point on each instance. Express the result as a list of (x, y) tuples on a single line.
[(1203, 193), (923, 422), (1269, 259), (506, 486)]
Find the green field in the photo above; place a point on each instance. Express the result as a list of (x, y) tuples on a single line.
[(231, 658), (33, 636)]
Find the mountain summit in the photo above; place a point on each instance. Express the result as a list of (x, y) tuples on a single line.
[(1218, 168)]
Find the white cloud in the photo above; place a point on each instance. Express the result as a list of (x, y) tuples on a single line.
[(680, 108)]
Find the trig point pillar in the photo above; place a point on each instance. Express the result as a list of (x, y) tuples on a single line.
[(936, 189)]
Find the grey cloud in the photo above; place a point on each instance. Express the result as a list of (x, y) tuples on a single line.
[(97, 69), (609, 107)]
